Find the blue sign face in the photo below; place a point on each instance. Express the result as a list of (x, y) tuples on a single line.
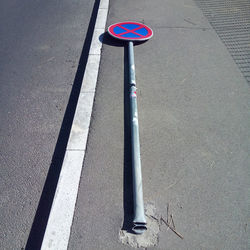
[(130, 31)]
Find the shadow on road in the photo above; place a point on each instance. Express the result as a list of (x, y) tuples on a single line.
[(42, 214), (111, 41), (127, 169)]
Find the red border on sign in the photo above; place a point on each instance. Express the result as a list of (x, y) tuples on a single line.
[(141, 25)]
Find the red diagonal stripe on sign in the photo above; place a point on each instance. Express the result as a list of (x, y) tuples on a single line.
[(130, 31)]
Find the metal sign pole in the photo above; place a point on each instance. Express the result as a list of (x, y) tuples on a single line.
[(139, 216), (134, 31)]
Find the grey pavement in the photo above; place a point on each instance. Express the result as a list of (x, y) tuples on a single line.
[(194, 129), (40, 48)]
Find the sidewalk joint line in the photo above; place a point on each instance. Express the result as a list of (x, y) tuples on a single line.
[(71, 149)]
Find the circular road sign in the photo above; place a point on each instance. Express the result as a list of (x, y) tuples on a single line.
[(130, 31)]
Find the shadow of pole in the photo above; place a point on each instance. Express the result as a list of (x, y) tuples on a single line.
[(127, 158), (127, 167), (43, 210)]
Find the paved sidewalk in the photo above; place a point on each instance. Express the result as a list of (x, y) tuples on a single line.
[(193, 106)]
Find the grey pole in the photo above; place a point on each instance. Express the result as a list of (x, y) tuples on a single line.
[(139, 216)]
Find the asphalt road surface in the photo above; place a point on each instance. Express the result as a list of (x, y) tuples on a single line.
[(40, 47)]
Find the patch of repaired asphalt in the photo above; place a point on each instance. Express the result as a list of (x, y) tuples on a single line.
[(150, 237)]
